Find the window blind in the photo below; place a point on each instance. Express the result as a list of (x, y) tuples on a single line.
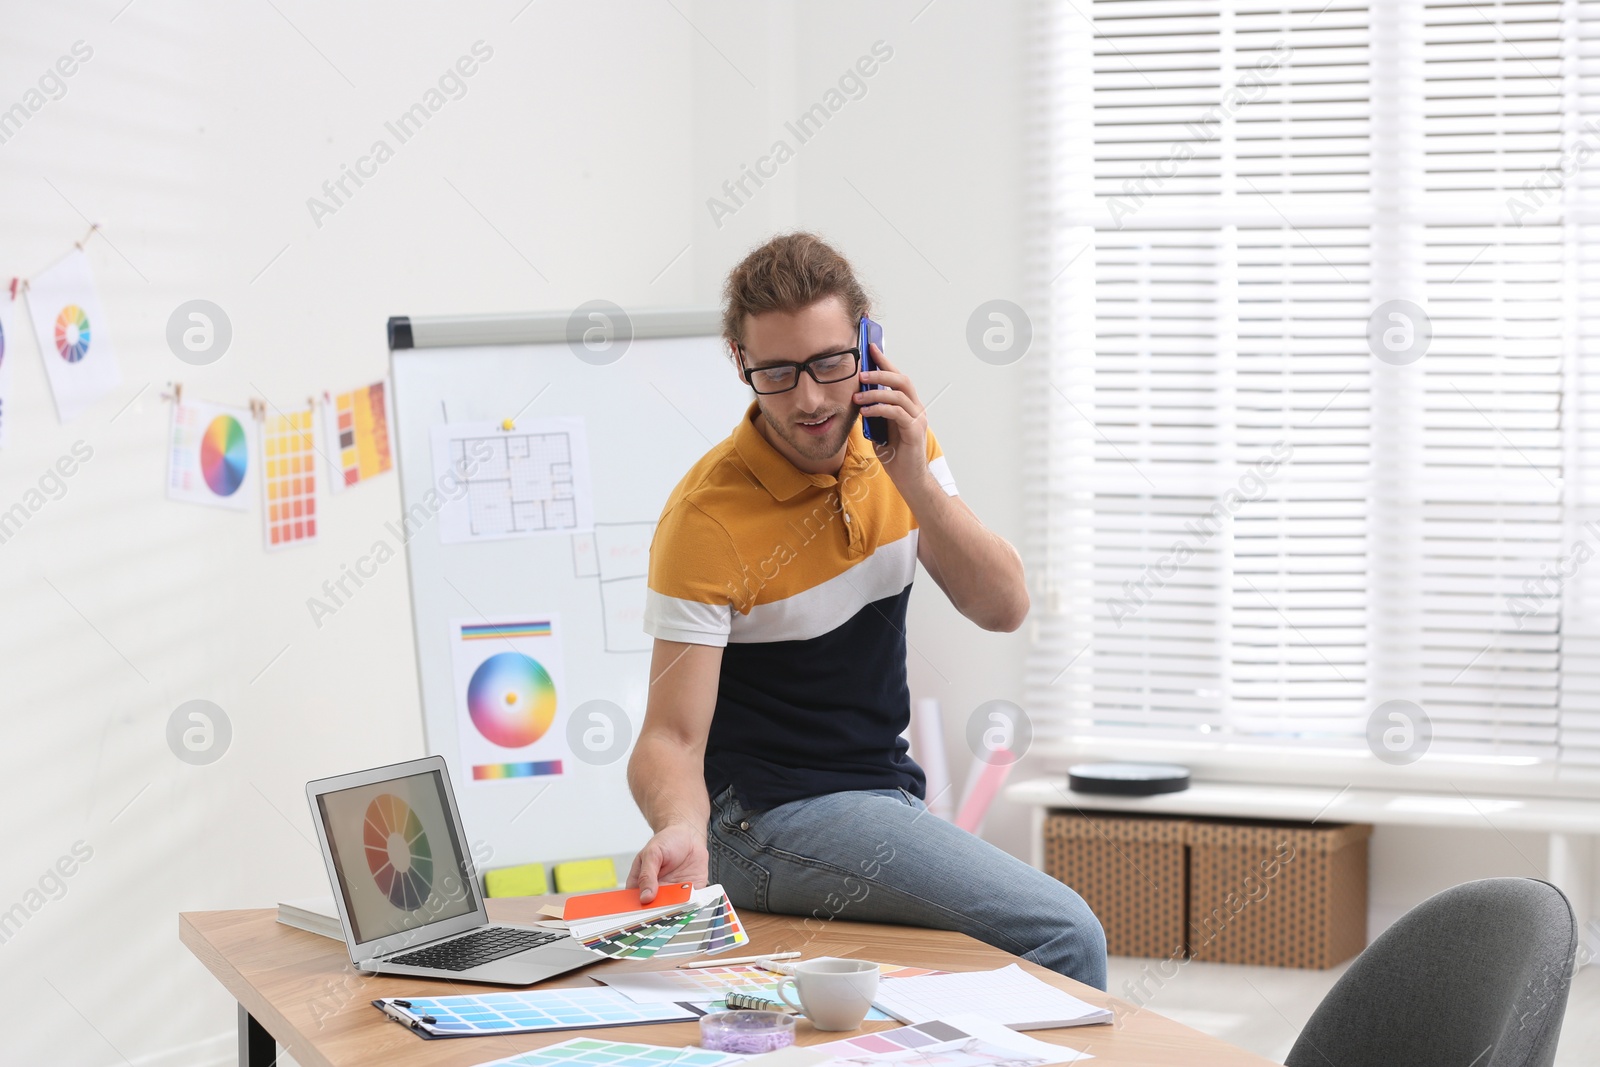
[(1262, 512)]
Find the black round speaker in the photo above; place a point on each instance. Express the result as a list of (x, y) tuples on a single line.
[(1128, 779)]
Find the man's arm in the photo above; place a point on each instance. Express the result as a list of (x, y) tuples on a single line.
[(667, 769), (977, 568)]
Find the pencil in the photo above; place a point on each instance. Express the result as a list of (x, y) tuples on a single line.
[(743, 959)]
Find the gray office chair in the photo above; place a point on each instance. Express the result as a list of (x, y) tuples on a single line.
[(1475, 975)]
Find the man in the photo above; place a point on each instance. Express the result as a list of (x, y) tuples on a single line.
[(770, 759)]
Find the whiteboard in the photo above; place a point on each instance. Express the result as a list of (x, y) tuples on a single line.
[(649, 416)]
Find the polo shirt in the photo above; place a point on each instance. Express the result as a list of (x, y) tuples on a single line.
[(803, 580)]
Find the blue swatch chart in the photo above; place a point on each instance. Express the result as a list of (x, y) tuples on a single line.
[(588, 1052), (531, 1011)]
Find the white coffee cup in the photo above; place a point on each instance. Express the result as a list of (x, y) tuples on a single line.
[(834, 994)]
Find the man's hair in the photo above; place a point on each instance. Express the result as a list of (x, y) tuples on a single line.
[(789, 272)]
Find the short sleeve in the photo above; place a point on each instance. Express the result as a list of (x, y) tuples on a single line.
[(693, 579), (938, 466)]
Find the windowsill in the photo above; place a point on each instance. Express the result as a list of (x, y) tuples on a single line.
[(1285, 766)]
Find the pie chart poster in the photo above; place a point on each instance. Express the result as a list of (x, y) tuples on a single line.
[(511, 700)]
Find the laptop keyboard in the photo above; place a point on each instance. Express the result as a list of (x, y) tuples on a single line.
[(480, 946)]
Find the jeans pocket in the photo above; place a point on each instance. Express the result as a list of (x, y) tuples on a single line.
[(744, 880)]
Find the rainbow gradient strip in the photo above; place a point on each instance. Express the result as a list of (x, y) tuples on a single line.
[(482, 630), (488, 772)]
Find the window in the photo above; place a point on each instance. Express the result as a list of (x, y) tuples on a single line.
[(1317, 423)]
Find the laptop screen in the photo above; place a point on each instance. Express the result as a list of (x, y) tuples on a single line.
[(394, 846)]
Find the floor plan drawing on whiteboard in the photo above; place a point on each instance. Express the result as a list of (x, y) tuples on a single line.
[(520, 482)]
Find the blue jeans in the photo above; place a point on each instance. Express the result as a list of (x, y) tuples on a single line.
[(875, 855)]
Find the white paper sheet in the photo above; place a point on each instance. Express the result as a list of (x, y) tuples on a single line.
[(1009, 995)]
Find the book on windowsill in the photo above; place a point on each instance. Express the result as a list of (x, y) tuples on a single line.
[(317, 915)]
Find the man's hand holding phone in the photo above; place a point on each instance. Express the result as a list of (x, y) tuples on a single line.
[(905, 456)]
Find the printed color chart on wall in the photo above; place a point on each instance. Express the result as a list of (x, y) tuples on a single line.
[(509, 683), (208, 458), (288, 455), (356, 429), (6, 341), (78, 356)]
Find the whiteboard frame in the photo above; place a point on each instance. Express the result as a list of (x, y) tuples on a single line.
[(538, 327)]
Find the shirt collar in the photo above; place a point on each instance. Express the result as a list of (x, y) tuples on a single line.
[(782, 478)]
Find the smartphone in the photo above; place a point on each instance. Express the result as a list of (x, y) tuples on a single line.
[(875, 429)]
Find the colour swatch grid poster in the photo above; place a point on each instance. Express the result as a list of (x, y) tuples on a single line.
[(71, 327), (289, 475), (356, 427), (508, 685), (208, 459)]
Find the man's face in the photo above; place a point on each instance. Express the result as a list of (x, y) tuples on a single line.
[(813, 420)]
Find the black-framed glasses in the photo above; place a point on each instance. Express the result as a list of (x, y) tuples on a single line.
[(825, 369)]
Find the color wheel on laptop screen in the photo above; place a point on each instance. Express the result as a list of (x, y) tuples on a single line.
[(397, 852), (224, 455), (72, 333), (511, 699)]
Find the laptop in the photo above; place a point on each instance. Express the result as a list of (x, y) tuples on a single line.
[(406, 890)]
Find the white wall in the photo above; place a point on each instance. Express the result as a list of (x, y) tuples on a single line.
[(577, 165), (194, 135)]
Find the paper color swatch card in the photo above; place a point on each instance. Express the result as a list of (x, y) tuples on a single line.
[(355, 427), (288, 458)]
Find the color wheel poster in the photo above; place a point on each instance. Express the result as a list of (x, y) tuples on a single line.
[(7, 354), (78, 357), (209, 461), (508, 687)]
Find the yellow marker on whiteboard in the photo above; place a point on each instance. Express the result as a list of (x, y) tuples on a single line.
[(507, 424)]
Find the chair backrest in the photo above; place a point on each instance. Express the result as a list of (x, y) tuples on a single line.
[(1475, 975)]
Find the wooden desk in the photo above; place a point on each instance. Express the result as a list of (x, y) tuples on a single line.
[(300, 989)]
